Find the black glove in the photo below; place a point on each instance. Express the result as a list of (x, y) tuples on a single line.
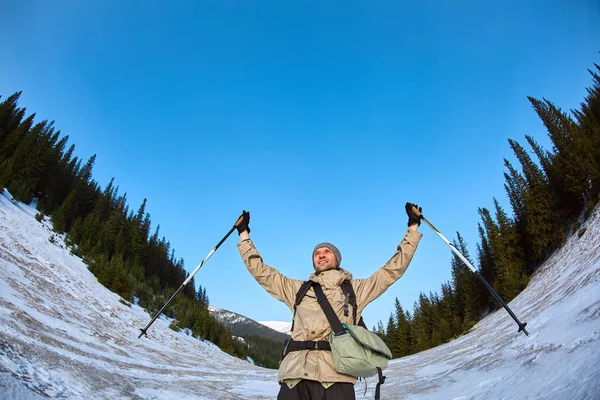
[(242, 222), (412, 217)]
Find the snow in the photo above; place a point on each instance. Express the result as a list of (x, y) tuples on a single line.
[(63, 335)]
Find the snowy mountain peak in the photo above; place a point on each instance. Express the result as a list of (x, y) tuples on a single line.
[(241, 325)]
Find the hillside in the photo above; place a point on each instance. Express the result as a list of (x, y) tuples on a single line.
[(63, 335)]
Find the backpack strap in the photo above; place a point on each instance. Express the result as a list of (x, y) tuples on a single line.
[(351, 298), (348, 290), (299, 296), (332, 317), (381, 382), (302, 292)]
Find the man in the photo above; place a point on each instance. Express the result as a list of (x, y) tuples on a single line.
[(310, 374)]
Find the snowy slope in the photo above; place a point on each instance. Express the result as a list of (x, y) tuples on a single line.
[(62, 335), (559, 360)]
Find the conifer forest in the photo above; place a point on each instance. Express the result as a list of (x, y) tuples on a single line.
[(550, 192)]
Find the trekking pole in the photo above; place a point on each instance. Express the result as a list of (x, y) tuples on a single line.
[(190, 276), (472, 268)]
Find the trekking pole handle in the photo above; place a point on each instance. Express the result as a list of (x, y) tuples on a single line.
[(417, 212), (239, 221)]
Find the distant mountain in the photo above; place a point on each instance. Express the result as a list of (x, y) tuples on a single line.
[(240, 325)]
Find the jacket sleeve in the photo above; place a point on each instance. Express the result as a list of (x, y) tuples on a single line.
[(372, 287), (276, 284)]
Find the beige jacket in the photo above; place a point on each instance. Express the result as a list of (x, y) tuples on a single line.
[(310, 322)]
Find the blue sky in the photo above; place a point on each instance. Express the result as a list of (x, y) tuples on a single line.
[(321, 119)]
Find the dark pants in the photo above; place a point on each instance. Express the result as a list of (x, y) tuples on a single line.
[(313, 390)]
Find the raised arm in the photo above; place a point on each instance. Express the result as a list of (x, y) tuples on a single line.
[(372, 287), (276, 284)]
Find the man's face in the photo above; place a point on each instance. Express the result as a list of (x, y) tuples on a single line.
[(324, 259)]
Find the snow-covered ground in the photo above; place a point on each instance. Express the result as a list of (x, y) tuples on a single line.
[(63, 335)]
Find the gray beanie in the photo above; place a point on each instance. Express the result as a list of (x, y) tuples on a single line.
[(336, 252)]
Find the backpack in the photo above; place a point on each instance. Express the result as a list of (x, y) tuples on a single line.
[(356, 351)]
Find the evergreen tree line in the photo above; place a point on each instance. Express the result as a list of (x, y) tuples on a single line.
[(36, 163), (551, 192), (264, 352)]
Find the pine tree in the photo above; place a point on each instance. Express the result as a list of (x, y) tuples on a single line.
[(402, 330), (80, 202), (463, 284), (47, 191), (434, 315), (517, 190), (421, 328), (391, 335), (380, 331), (510, 260), (10, 116), (487, 267), (447, 326), (589, 122), (202, 296), (33, 161), (543, 217), (138, 241), (491, 248), (225, 341), (405, 329), (574, 161), (62, 182), (544, 156), (13, 139)]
